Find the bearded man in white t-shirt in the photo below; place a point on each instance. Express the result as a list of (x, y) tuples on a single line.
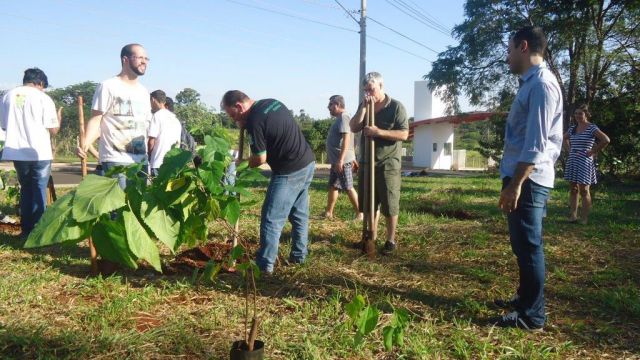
[(29, 117), (121, 114), (164, 131)]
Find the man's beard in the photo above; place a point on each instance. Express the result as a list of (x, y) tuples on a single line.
[(136, 71)]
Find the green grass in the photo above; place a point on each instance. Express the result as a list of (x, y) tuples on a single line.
[(454, 258)]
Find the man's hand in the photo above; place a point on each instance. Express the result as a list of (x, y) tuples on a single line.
[(339, 167), (371, 131), (82, 153), (509, 198)]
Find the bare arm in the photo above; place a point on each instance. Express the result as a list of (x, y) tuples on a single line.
[(566, 146), (603, 141), (54, 131), (257, 160), (151, 143), (357, 121), (91, 133), (92, 150), (393, 135)]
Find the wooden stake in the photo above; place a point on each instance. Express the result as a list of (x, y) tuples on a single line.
[(236, 226), (368, 230), (83, 165)]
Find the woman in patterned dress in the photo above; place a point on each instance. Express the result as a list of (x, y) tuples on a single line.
[(580, 170)]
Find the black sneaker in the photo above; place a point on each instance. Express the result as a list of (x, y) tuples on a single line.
[(389, 248), (507, 304), (514, 320)]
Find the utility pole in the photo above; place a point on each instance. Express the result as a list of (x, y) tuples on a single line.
[(363, 47)]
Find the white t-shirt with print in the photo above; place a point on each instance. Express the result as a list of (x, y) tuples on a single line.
[(26, 114), (166, 128), (126, 113)]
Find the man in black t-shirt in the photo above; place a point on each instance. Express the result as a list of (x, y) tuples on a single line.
[(276, 139)]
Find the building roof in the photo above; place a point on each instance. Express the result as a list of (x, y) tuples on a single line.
[(452, 119)]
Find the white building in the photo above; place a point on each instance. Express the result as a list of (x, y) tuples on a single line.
[(432, 132)]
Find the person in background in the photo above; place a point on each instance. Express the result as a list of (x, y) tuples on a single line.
[(29, 117), (164, 131), (583, 140), (340, 155), (121, 113)]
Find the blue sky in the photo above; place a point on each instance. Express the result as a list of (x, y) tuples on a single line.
[(217, 45)]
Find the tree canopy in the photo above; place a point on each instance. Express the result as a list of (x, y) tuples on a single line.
[(592, 51)]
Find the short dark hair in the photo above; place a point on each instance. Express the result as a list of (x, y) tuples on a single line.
[(127, 50), (337, 99), (535, 37), (169, 104), (35, 76), (160, 96), (232, 97)]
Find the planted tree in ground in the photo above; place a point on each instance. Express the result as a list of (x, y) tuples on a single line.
[(176, 208)]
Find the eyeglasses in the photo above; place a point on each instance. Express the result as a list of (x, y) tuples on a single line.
[(140, 58)]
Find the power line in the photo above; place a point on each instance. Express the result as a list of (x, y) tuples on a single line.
[(337, 27), (426, 13), (423, 14), (398, 48), (348, 12), (418, 19), (403, 35), (293, 16)]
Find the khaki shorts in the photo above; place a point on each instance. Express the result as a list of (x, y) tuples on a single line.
[(387, 194)]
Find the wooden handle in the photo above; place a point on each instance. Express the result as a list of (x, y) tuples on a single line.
[(83, 162)]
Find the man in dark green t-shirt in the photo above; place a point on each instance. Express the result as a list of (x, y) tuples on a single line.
[(275, 138), (391, 128)]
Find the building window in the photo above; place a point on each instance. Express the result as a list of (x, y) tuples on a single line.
[(435, 147), (447, 149)]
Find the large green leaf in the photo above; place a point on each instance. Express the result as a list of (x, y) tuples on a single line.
[(230, 210), (109, 238), (57, 225), (217, 143), (211, 175), (95, 196), (165, 227), (174, 161), (139, 241), (193, 230), (368, 320)]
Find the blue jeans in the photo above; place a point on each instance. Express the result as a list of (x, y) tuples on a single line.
[(33, 177), (525, 231), (287, 197)]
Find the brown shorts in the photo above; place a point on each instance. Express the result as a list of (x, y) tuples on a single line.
[(387, 193)]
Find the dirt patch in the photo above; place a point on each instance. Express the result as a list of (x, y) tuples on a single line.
[(440, 210), (145, 321), (10, 229), (198, 257)]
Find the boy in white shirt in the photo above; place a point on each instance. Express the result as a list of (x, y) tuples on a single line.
[(29, 117), (164, 131)]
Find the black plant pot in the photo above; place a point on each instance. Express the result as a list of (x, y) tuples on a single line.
[(240, 351)]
